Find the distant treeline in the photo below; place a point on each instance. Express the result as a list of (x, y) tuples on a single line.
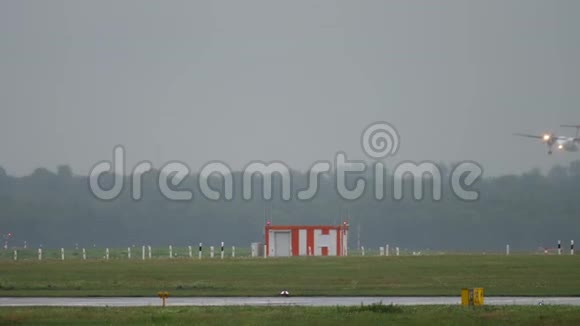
[(527, 211)]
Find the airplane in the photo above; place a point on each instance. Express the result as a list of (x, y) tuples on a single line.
[(564, 143)]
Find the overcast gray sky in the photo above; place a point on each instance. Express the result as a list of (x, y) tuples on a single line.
[(294, 81)]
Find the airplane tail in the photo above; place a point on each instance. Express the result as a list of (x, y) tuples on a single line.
[(573, 126)]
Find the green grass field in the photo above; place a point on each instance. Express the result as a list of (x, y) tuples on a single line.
[(306, 276), (368, 315)]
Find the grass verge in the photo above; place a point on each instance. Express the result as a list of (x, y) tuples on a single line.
[(366, 315), (308, 276)]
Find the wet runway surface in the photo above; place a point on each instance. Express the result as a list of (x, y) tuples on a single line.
[(276, 301)]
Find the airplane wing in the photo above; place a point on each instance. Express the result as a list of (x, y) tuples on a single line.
[(530, 136)]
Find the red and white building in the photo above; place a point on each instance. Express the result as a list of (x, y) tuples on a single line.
[(306, 240)]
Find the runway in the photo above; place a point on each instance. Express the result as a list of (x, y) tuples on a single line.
[(275, 301)]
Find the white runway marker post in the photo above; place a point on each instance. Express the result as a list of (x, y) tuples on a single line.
[(61, 253), (39, 253), (15, 255), (222, 250), (190, 251), (84, 254), (397, 251), (233, 251), (128, 252), (211, 252), (381, 251), (362, 250), (387, 250), (559, 247), (142, 252), (507, 250), (200, 250), (170, 251), (107, 253), (149, 251)]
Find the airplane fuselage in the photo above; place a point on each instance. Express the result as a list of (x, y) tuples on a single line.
[(568, 145)]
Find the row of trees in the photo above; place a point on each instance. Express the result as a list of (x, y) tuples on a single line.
[(527, 211)]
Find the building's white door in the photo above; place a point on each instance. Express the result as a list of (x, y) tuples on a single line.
[(282, 244)]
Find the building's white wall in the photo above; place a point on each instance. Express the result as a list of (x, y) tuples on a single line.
[(345, 243), (325, 241), (317, 249), (282, 243), (303, 244), (332, 245), (270, 248)]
